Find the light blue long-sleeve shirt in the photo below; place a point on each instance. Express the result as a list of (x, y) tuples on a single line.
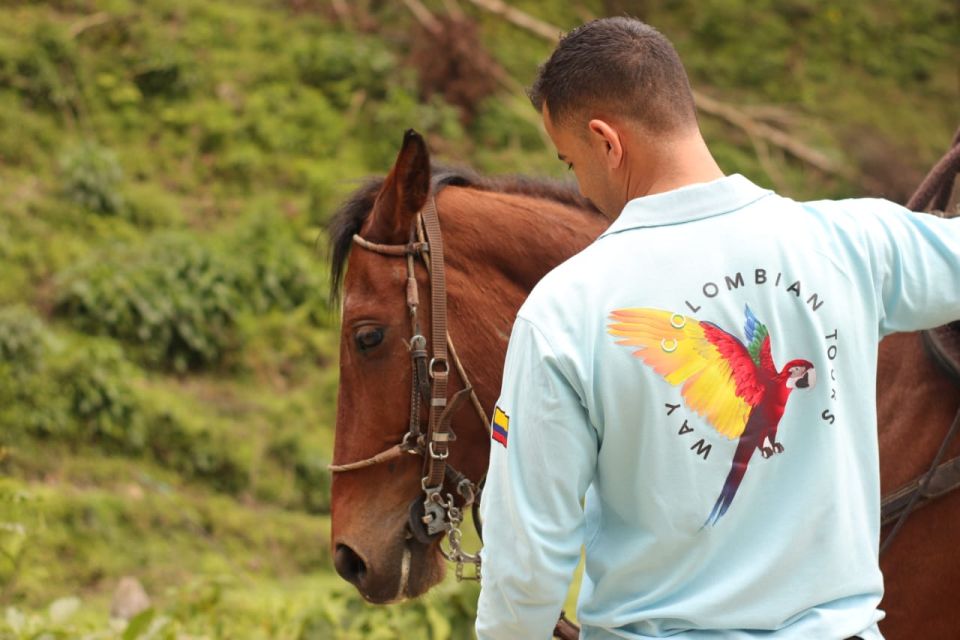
[(584, 419)]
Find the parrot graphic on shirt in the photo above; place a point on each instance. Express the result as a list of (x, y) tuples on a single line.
[(734, 386)]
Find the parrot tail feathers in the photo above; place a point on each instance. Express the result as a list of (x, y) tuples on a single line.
[(727, 494)]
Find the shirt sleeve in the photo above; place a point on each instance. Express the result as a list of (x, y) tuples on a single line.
[(916, 266), (542, 459)]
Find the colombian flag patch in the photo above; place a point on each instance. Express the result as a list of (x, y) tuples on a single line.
[(501, 426)]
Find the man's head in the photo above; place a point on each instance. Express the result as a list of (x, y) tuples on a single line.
[(619, 68), (615, 98)]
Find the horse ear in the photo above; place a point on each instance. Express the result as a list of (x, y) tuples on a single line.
[(403, 194)]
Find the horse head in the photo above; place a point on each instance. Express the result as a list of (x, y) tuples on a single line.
[(373, 545), (500, 238)]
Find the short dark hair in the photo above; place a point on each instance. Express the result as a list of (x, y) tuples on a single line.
[(616, 67)]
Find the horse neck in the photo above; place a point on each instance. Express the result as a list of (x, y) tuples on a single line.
[(915, 404), (497, 247), (518, 238)]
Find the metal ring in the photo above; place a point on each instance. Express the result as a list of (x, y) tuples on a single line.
[(663, 345), (435, 455), (427, 489), (466, 489), (446, 366), (409, 443), (674, 324)]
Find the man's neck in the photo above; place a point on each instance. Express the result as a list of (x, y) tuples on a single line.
[(674, 165)]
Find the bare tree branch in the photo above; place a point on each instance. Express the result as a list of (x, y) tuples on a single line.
[(423, 16), (430, 22), (521, 19), (767, 133), (755, 130), (453, 9), (89, 22), (342, 11)]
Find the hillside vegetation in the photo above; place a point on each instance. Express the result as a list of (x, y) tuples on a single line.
[(168, 351)]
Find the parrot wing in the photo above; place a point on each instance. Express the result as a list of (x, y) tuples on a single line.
[(758, 341), (717, 373)]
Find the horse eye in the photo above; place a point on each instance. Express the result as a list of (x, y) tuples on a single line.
[(369, 338)]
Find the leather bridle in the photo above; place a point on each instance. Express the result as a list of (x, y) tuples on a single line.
[(434, 512)]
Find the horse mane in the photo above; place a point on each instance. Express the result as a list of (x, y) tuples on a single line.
[(348, 219)]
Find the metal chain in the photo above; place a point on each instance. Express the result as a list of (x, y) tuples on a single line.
[(454, 518)]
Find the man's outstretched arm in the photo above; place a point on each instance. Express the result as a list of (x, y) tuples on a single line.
[(543, 456), (916, 260)]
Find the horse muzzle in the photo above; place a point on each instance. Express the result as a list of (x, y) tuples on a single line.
[(405, 571)]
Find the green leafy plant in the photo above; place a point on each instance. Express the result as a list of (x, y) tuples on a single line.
[(340, 64), (91, 178), (175, 300), (22, 336), (96, 382), (44, 69)]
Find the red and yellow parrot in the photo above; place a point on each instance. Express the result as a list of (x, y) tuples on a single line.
[(736, 388)]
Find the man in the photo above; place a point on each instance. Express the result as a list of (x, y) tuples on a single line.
[(701, 379)]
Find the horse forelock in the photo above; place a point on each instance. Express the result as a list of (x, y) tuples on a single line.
[(351, 215), (344, 224)]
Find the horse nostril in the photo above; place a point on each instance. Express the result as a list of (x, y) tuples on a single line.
[(349, 565)]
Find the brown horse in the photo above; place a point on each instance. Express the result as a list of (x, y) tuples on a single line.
[(501, 237)]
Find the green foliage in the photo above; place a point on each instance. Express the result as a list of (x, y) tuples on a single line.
[(22, 337), (48, 624), (91, 178), (73, 392), (175, 299), (96, 383), (285, 348), (164, 73), (25, 377), (158, 531), (500, 124), (808, 39), (44, 71), (278, 274), (344, 65), (23, 410), (313, 481), (152, 207), (180, 440), (221, 608), (165, 172), (84, 393), (446, 614), (380, 126), (19, 518)]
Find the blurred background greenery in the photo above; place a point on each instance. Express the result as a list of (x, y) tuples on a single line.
[(167, 349)]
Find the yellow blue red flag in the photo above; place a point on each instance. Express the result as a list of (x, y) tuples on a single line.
[(501, 426)]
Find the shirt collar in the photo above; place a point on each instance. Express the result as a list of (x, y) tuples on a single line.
[(689, 203)]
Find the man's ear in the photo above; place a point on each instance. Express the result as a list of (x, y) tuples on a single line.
[(605, 135)]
